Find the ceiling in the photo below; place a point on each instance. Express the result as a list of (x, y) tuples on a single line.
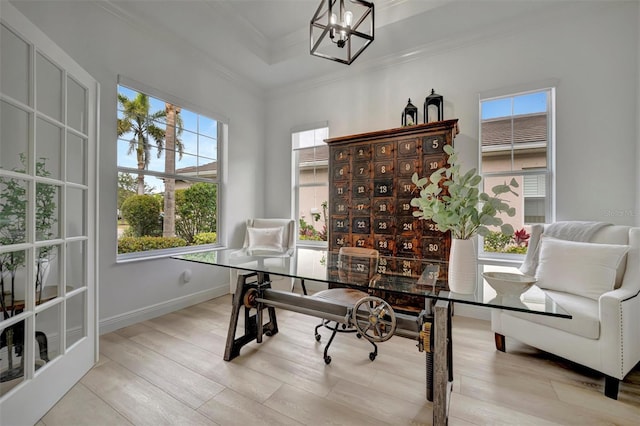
[(265, 43)]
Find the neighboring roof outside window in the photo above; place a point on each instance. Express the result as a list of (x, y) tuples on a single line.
[(526, 131)]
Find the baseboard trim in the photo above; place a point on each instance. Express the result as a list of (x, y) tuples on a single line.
[(126, 319)]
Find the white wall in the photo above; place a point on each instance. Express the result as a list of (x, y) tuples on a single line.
[(637, 211), (106, 46), (586, 48)]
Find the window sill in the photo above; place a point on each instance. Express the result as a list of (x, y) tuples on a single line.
[(163, 254)]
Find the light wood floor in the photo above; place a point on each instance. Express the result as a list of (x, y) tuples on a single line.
[(169, 371)]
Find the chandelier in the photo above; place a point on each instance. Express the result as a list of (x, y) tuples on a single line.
[(339, 32)]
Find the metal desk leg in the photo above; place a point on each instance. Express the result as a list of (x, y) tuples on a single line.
[(253, 327), (441, 365)]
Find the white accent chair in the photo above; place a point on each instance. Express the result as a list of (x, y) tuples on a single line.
[(604, 334), (288, 247)]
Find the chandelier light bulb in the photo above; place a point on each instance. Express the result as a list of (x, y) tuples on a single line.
[(348, 19)]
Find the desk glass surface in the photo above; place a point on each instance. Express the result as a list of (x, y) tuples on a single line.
[(327, 267)]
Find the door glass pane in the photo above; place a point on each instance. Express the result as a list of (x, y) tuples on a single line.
[(49, 83), (75, 212), (13, 282), (47, 212), (76, 265), (48, 149), (11, 353), (47, 270), (76, 106), (13, 211), (76, 158), (14, 137), (14, 60), (76, 329), (48, 325)]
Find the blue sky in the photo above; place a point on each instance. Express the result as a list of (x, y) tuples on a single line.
[(522, 104), (199, 137)]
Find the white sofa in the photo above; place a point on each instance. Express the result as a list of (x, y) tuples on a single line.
[(604, 333)]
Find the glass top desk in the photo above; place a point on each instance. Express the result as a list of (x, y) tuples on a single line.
[(428, 321)]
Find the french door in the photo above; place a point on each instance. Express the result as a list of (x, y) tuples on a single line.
[(48, 146)]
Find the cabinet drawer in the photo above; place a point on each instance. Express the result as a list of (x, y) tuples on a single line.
[(409, 267), (361, 153), (361, 207), (341, 155), (431, 163), (361, 189), (404, 207), (406, 189), (433, 144), (408, 166), (339, 240), (362, 170), (361, 240), (340, 189), (435, 248), (408, 245), (340, 206), (341, 171), (408, 148), (385, 244), (384, 206), (360, 225), (384, 225), (383, 169), (408, 225), (383, 151), (383, 188), (340, 224)]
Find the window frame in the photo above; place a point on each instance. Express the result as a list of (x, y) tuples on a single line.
[(222, 135), (549, 172), (296, 185)]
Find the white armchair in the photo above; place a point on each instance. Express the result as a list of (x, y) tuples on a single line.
[(604, 333), (279, 246)]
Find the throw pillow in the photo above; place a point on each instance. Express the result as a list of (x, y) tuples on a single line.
[(265, 239), (584, 269)]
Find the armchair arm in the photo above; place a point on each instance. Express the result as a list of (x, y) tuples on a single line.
[(619, 331)]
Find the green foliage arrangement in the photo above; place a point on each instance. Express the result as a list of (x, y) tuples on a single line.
[(452, 200), (142, 213), (205, 238), (137, 244), (197, 211)]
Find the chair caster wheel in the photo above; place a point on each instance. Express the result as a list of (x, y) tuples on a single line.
[(372, 355), (268, 333), (318, 337), (327, 360), (359, 336)]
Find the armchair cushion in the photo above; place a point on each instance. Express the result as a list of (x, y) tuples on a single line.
[(583, 269), (265, 239)]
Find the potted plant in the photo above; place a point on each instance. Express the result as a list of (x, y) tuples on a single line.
[(451, 199)]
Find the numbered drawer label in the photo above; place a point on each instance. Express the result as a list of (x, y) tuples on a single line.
[(431, 273), (408, 167), (430, 228), (406, 189), (361, 170), (383, 188), (340, 240), (341, 155), (408, 225), (384, 206), (340, 224), (407, 245), (340, 206), (383, 225), (341, 172), (361, 225), (383, 169), (408, 148), (435, 248), (384, 265), (360, 189), (385, 244), (409, 267), (341, 189), (405, 208), (433, 144), (433, 163), (361, 206), (383, 150), (361, 153), (362, 241)]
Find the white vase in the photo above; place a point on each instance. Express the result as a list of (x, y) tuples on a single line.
[(463, 266)]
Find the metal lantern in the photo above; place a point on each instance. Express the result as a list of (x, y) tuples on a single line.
[(410, 114), (433, 107)]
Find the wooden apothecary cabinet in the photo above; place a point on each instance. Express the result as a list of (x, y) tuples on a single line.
[(370, 192)]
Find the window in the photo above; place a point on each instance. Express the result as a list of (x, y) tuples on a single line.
[(516, 141), (168, 175), (311, 183)]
